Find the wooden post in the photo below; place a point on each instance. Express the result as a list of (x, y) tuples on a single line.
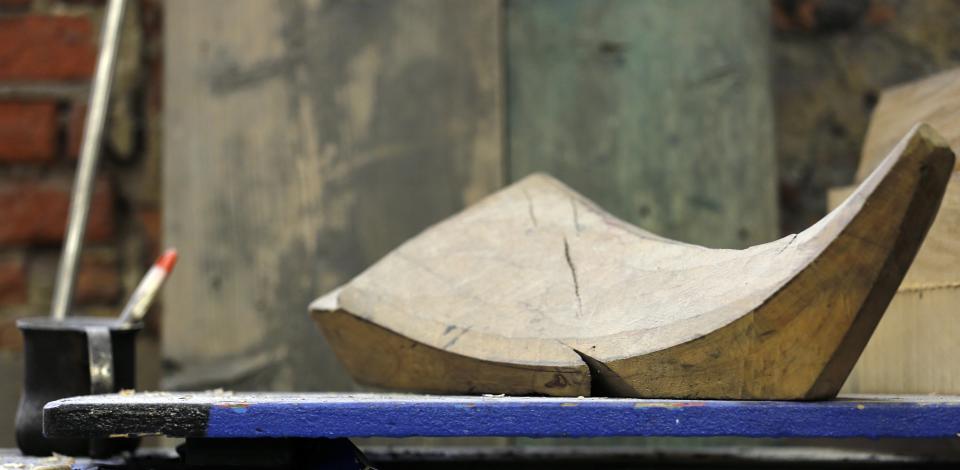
[(303, 140), (657, 110)]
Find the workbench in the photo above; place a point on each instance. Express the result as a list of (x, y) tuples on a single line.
[(314, 427), (319, 415)]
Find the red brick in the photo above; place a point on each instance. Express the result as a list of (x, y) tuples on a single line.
[(39, 47), (151, 20), (36, 212), (10, 337), (13, 281), (155, 85), (150, 221), (28, 131), (879, 14), (98, 280), (75, 123), (14, 3)]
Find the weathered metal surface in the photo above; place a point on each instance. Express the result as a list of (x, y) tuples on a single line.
[(369, 415), (58, 364)]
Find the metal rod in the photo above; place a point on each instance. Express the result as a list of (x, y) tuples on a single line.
[(89, 153)]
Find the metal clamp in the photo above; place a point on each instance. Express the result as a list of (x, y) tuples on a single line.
[(100, 352)]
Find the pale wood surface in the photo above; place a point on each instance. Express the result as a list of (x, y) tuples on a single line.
[(934, 100), (537, 276), (914, 347), (302, 141), (659, 111)]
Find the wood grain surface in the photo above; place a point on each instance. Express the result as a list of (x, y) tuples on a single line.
[(909, 351), (538, 277)]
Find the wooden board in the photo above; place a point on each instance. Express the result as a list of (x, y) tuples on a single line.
[(660, 112), (537, 290), (365, 415), (919, 329), (302, 141), (914, 346), (936, 101)]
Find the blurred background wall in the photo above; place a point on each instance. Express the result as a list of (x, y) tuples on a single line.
[(282, 102), (831, 59), (47, 55)]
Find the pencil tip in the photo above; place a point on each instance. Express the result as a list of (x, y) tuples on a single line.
[(167, 260)]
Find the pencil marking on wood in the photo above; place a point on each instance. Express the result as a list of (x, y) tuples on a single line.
[(455, 338), (573, 275), (792, 239)]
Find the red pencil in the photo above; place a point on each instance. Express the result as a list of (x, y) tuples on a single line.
[(143, 295)]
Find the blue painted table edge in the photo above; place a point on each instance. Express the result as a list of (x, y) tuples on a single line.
[(324, 415)]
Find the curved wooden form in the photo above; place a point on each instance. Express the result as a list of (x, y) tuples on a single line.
[(535, 290)]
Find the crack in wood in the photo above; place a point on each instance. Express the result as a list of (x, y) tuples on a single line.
[(792, 239), (573, 274)]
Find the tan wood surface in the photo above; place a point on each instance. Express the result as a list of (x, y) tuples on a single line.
[(914, 346), (937, 265), (302, 141), (536, 282), (936, 101)]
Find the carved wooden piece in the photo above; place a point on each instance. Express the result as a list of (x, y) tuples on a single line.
[(537, 290)]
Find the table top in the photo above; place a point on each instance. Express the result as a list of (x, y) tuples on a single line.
[(326, 415)]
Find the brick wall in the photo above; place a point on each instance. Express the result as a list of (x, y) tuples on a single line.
[(48, 51)]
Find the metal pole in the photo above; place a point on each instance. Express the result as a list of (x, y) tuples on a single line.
[(89, 153)]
